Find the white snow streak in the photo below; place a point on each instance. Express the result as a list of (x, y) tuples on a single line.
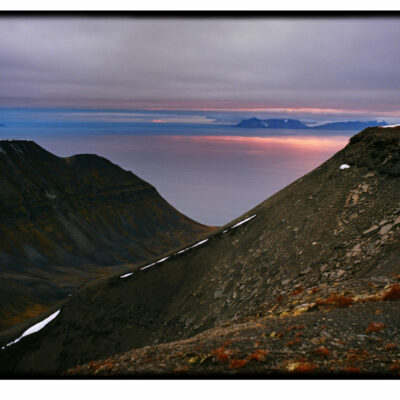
[(182, 251), (344, 166), (199, 244), (126, 275), (154, 263), (243, 222), (147, 266), (33, 329), (390, 126)]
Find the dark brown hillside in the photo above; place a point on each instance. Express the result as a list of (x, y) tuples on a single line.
[(64, 221), (325, 248)]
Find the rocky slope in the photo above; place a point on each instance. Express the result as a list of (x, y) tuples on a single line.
[(64, 221), (303, 283)]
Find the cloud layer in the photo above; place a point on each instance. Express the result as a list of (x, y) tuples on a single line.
[(201, 63)]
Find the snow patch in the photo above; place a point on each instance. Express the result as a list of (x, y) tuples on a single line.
[(199, 243), (154, 263), (147, 266), (344, 166), (126, 275), (35, 328), (182, 251), (226, 230), (389, 126), (243, 222)]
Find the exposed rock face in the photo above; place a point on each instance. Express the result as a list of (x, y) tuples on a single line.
[(64, 221), (304, 243)]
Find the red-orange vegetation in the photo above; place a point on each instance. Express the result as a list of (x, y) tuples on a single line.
[(293, 342), (279, 335), (322, 351), (395, 366), (296, 291), (279, 298), (390, 347), (258, 355), (371, 284), (222, 354), (236, 364), (295, 327), (305, 368), (313, 290), (298, 334), (92, 364), (106, 365), (336, 300), (392, 294), (374, 327)]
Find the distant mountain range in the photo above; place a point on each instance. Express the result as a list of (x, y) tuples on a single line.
[(255, 123)]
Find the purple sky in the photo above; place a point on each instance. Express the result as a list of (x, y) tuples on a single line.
[(314, 68)]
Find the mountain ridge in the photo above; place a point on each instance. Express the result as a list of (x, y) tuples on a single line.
[(273, 292), (67, 220)]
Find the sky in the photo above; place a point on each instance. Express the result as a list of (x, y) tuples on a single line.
[(312, 68)]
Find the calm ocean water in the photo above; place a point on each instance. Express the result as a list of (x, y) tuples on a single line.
[(211, 174)]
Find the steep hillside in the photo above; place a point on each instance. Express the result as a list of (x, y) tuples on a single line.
[(304, 282), (64, 221)]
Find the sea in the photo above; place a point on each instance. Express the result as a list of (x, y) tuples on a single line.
[(212, 173)]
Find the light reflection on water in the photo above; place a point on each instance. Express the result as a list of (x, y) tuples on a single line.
[(212, 179)]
